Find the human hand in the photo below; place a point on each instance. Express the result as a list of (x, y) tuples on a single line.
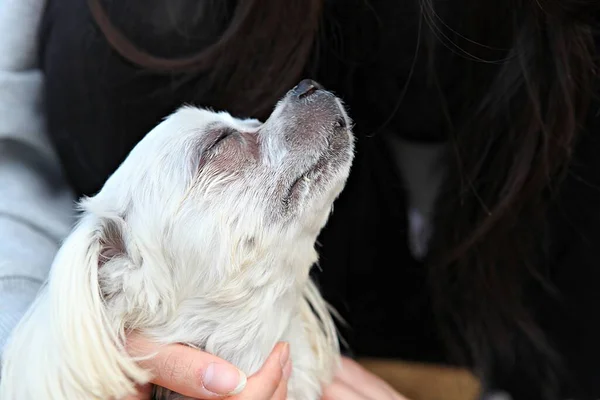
[(199, 375), (353, 382), (270, 383)]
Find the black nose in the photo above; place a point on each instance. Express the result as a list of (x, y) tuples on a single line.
[(306, 87)]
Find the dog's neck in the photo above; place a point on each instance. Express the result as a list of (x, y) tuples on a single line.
[(240, 320)]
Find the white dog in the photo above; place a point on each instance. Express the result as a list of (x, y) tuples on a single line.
[(205, 236)]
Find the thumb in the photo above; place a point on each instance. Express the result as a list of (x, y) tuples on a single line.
[(187, 371)]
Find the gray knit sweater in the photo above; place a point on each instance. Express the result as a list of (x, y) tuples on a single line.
[(36, 206)]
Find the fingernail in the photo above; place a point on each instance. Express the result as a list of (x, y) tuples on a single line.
[(285, 355), (223, 379), (287, 370)]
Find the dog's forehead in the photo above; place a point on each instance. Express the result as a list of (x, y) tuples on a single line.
[(196, 119)]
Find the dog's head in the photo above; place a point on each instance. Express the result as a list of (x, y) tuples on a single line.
[(205, 196)]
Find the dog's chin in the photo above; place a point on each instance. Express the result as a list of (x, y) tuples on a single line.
[(321, 181)]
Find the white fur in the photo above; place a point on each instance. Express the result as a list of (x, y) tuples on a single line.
[(192, 246)]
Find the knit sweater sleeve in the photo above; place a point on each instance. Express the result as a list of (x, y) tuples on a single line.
[(35, 202)]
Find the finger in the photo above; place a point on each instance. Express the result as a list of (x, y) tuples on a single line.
[(365, 382), (281, 392), (187, 371), (265, 384), (339, 390), (350, 371)]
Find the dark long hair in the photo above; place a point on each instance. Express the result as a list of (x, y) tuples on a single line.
[(244, 64), (510, 153), (512, 141)]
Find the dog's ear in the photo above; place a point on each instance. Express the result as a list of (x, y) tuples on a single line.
[(111, 240), (66, 345)]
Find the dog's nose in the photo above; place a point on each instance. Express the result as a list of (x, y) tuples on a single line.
[(306, 87)]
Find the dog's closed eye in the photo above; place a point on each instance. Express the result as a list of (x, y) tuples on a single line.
[(220, 138)]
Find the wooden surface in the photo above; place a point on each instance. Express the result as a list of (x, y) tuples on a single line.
[(425, 382)]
